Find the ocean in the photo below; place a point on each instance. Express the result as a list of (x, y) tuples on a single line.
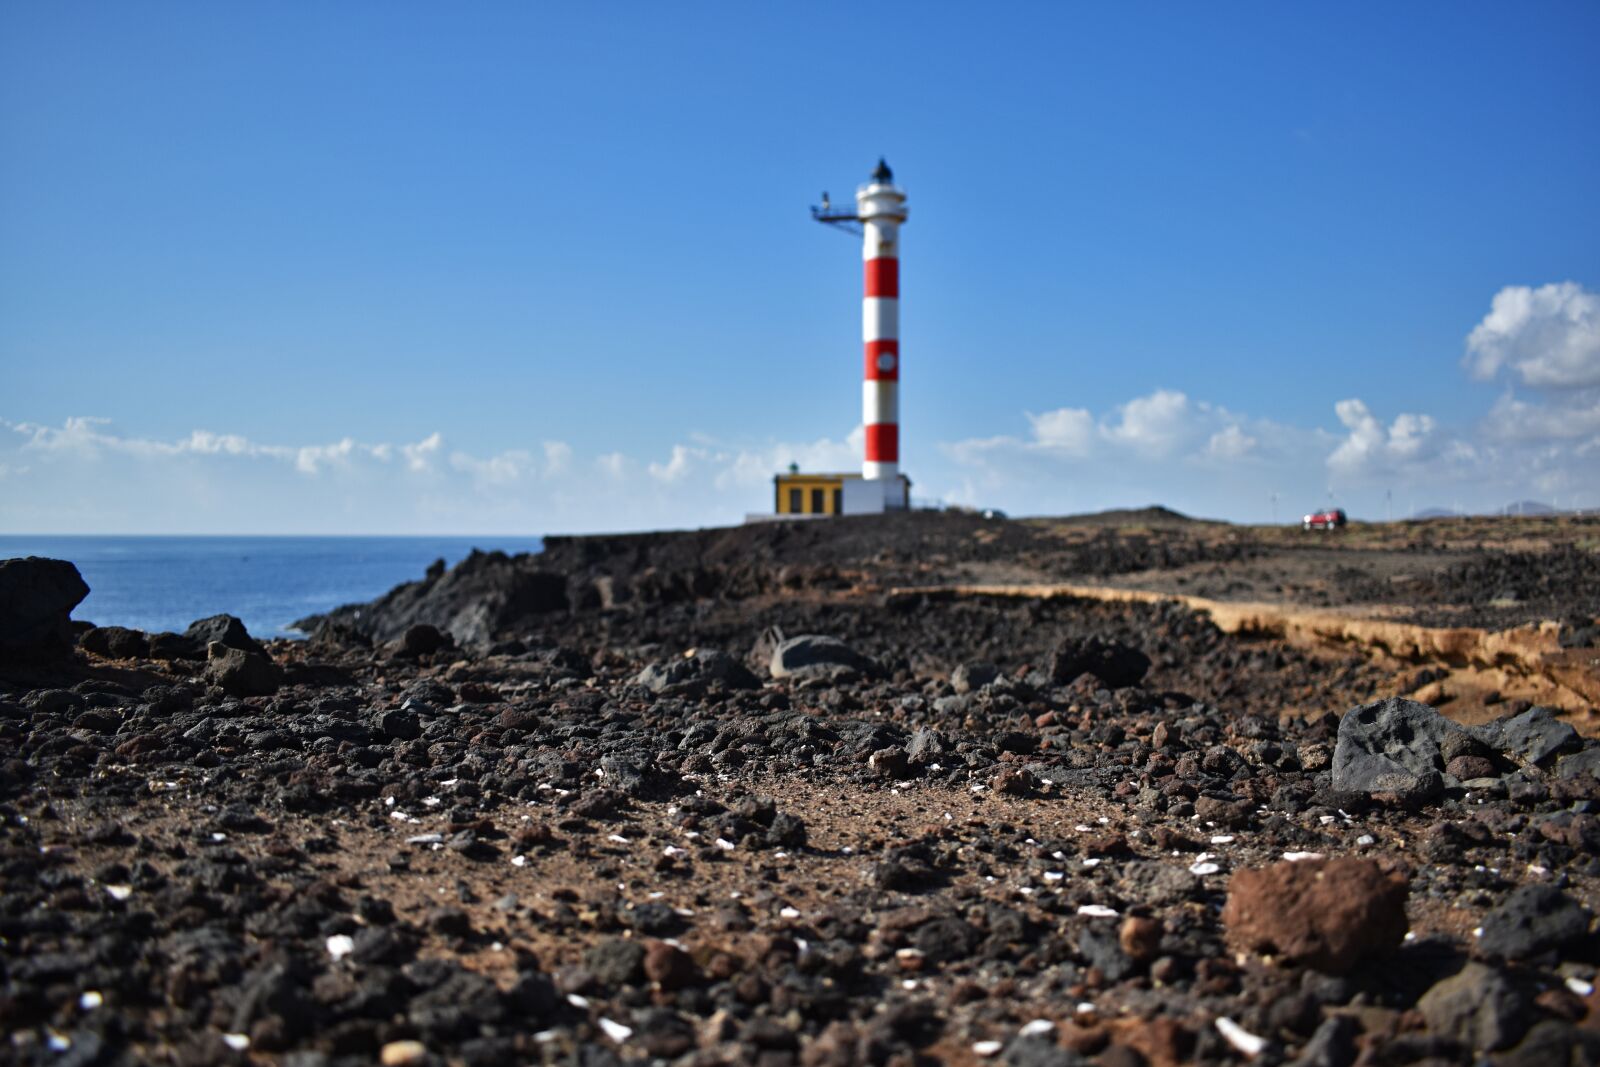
[(165, 583)]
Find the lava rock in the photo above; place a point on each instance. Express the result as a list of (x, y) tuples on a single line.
[(1332, 1045), (1396, 746), (615, 962), (487, 593), (970, 676), (1580, 763), (1532, 737), (225, 630), (813, 654), (698, 669), (116, 642), (668, 966), (423, 639), (37, 596), (170, 646), (1325, 914), (1477, 1008), (1533, 920), (1114, 664), (241, 673)]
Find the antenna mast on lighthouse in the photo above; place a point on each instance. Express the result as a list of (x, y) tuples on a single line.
[(880, 209)]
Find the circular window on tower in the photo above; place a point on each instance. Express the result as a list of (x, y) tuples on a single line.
[(886, 361)]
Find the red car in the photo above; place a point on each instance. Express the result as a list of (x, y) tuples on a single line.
[(1330, 519)]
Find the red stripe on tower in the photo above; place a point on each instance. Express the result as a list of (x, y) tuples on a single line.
[(883, 360), (883, 442), (882, 276)]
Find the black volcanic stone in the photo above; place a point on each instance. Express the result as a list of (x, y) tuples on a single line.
[(37, 596), (1396, 746), (117, 642), (1535, 919), (1116, 665), (225, 629)]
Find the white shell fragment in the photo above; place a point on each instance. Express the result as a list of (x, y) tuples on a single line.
[(120, 892), (1037, 1027), (92, 999), (579, 1002), (615, 1030), (1239, 1037), (237, 1042), (425, 839), (519, 860), (1097, 911), (1296, 857), (1203, 865), (985, 1049), (1580, 987), (789, 913), (341, 945)]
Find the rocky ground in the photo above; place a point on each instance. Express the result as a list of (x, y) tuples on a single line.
[(776, 796)]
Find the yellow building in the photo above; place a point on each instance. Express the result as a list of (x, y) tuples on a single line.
[(809, 494), (795, 493)]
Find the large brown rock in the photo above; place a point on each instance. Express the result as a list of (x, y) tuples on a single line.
[(1326, 914)]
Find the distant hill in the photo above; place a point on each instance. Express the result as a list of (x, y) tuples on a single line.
[(1437, 513), (1528, 507)]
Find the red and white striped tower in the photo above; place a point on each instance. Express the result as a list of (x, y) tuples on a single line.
[(881, 207)]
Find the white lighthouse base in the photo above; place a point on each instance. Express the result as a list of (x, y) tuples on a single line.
[(873, 496)]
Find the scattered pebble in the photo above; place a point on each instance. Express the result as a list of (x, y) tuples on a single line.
[(341, 945), (1240, 1038), (402, 1053), (615, 1030)]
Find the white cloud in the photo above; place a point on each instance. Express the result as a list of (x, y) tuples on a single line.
[(1069, 430), (557, 457), (1548, 337), (420, 456), (1153, 425), (1230, 442), (678, 467), (1518, 420), (1369, 448)]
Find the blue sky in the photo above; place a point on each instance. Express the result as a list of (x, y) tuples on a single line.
[(510, 268)]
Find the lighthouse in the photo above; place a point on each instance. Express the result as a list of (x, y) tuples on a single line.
[(881, 208)]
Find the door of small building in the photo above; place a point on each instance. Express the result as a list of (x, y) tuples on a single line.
[(818, 495)]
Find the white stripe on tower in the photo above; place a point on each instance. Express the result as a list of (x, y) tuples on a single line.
[(882, 208)]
